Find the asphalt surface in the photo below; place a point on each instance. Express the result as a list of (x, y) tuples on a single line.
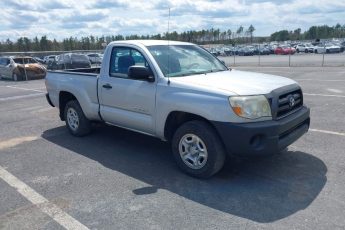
[(117, 179)]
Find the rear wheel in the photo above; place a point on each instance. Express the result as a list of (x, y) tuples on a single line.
[(76, 122), (197, 149)]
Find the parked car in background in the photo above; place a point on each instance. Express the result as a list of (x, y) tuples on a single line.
[(246, 51), (70, 61), (228, 51), (95, 58), (234, 50), (306, 48), (214, 51), (271, 48), (284, 50), (260, 50), (21, 68), (48, 59), (327, 48), (39, 60), (342, 46)]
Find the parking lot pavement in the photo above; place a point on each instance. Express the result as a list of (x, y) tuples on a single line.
[(114, 178)]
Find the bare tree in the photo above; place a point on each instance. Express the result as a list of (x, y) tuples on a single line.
[(251, 30)]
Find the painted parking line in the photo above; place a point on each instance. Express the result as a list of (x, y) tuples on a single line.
[(41, 202), (26, 89), (324, 95), (30, 194), (327, 132), (21, 96)]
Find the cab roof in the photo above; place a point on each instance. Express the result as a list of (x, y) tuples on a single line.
[(151, 42)]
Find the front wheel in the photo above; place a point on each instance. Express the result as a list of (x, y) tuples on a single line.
[(197, 149), (76, 122)]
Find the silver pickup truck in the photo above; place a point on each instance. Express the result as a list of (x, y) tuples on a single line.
[(181, 93)]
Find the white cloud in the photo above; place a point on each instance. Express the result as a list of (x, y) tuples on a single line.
[(64, 18)]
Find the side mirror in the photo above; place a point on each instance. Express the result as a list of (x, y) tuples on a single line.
[(140, 73)]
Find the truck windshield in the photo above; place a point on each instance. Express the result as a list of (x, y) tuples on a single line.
[(185, 60)]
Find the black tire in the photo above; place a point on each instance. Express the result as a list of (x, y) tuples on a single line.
[(327, 51), (84, 125), (306, 51), (214, 146)]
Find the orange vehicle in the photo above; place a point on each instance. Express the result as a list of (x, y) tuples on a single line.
[(21, 68)]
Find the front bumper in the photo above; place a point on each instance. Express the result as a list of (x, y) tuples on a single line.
[(263, 138)]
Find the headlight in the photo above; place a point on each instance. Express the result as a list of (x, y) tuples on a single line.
[(251, 107)]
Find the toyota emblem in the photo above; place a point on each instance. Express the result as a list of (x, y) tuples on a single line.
[(292, 101)]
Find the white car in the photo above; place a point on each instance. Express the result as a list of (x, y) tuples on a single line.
[(327, 48), (306, 48), (48, 59), (95, 58)]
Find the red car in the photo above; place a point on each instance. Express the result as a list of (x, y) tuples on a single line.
[(284, 50)]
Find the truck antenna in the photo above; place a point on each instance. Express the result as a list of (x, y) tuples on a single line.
[(168, 37)]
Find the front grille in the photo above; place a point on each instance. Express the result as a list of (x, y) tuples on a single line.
[(289, 102)]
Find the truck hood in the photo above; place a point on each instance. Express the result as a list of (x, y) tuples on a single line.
[(238, 82)]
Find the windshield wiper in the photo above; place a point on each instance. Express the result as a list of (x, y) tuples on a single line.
[(198, 73), (214, 71)]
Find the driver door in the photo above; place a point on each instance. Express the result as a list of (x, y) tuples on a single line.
[(127, 102)]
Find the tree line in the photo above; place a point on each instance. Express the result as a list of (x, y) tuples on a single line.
[(314, 32), (209, 36)]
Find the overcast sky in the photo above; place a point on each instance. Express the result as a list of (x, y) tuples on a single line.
[(64, 18)]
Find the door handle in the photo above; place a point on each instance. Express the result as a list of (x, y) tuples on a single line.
[(107, 86)]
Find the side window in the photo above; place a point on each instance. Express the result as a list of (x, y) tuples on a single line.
[(124, 57)]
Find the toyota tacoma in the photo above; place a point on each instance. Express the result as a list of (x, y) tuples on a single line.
[(181, 93)]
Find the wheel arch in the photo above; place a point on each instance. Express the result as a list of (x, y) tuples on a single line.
[(176, 118), (64, 98)]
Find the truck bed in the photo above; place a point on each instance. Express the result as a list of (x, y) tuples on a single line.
[(94, 71), (82, 83)]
